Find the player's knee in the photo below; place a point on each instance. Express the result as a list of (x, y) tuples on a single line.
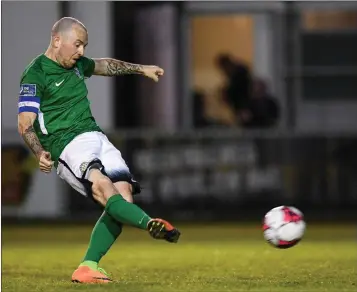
[(103, 189), (125, 189)]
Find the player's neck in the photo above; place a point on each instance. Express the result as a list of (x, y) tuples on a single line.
[(51, 55)]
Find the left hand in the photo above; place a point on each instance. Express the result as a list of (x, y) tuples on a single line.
[(45, 162), (153, 72)]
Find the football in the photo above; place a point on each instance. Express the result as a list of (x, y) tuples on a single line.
[(284, 226)]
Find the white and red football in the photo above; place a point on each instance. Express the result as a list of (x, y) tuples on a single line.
[(284, 226)]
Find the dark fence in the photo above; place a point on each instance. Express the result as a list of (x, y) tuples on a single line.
[(225, 176)]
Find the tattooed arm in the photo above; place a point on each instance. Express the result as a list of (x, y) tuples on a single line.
[(26, 130), (113, 67)]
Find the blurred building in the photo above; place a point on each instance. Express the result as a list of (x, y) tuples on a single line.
[(186, 138)]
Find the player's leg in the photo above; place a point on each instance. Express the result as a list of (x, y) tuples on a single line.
[(76, 154), (119, 173), (106, 230), (104, 234), (158, 228), (105, 193)]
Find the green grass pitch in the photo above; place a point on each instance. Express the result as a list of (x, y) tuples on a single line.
[(207, 258)]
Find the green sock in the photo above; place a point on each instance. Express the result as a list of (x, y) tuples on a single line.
[(104, 234), (92, 264), (127, 213)]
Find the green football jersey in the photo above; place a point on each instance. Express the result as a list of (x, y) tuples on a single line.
[(59, 97)]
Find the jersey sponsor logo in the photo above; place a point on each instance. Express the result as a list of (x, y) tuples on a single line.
[(28, 90), (59, 83)]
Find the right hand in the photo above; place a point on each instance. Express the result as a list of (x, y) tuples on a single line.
[(153, 72), (45, 162)]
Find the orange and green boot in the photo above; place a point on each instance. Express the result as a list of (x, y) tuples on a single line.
[(90, 275), (161, 229)]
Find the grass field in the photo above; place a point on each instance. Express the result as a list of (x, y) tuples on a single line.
[(208, 258)]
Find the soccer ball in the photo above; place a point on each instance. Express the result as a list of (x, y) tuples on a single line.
[(284, 226)]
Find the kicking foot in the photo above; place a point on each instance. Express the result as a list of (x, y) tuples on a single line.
[(85, 274), (161, 229)]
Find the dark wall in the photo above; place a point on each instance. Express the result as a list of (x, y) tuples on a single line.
[(125, 94), (123, 42)]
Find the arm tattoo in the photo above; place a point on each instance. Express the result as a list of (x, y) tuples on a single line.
[(117, 67), (32, 141)]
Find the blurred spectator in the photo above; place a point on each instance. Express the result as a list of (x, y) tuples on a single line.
[(236, 93), (262, 110)]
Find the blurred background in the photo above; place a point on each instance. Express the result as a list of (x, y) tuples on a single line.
[(257, 107)]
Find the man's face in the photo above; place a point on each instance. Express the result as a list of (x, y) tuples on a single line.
[(225, 66), (72, 44)]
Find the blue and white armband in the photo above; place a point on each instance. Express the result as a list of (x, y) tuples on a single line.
[(28, 101)]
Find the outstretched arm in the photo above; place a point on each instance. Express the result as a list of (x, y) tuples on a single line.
[(113, 67)]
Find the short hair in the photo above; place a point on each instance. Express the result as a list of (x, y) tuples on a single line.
[(224, 60), (66, 23)]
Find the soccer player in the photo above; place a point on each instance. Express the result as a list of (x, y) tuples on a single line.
[(55, 121)]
